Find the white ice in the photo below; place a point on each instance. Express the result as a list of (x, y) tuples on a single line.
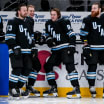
[(53, 101)]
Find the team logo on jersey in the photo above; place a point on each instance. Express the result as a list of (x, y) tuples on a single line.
[(100, 30), (22, 29), (53, 33)]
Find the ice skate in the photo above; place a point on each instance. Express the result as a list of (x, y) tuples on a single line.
[(25, 94), (75, 91), (52, 90), (34, 91), (93, 91), (30, 89), (14, 94)]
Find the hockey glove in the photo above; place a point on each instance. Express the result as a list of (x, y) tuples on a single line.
[(34, 52), (41, 40), (37, 35), (87, 52), (72, 49), (17, 52), (51, 43)]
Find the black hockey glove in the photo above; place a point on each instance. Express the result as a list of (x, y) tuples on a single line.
[(37, 35), (34, 52), (72, 49), (41, 40), (17, 52), (51, 43), (87, 52)]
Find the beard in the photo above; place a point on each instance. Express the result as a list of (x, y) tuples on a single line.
[(94, 14), (23, 16)]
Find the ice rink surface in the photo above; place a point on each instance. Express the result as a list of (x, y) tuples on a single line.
[(53, 101)]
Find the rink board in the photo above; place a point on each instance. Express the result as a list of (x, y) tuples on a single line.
[(44, 52), (63, 84), (4, 69)]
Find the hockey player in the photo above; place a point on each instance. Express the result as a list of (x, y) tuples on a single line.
[(36, 66), (92, 32), (18, 38), (61, 39), (2, 36), (37, 36)]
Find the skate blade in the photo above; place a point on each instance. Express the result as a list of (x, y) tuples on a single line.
[(10, 98), (37, 95), (45, 95), (25, 97), (34, 95), (77, 96), (93, 95), (13, 98), (55, 94), (50, 95), (103, 96)]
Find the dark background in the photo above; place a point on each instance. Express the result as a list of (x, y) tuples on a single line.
[(46, 5)]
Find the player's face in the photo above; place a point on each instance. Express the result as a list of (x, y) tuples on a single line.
[(54, 15), (31, 12), (23, 12), (95, 11)]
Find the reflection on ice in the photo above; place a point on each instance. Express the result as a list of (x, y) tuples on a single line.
[(52, 101)]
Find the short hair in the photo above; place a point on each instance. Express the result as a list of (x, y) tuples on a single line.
[(57, 11), (32, 6), (19, 8), (96, 3)]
